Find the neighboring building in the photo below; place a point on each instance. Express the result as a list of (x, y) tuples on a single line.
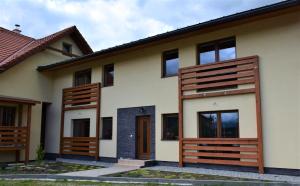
[(24, 92), (222, 92)]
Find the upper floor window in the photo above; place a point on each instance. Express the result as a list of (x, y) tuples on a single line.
[(108, 75), (220, 50), (7, 115), (106, 128), (82, 77), (67, 48), (170, 127), (170, 63), (220, 124), (81, 127)]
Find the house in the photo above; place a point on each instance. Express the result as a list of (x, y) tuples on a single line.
[(24, 92), (219, 93)]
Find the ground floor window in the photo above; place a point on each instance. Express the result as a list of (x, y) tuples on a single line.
[(7, 115), (170, 127), (81, 127), (219, 124), (106, 129)]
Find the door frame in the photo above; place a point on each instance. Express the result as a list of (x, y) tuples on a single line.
[(144, 156)]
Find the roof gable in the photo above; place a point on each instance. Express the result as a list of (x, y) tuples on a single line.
[(17, 47)]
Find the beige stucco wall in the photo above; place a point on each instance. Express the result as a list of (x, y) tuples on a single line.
[(24, 81), (138, 82)]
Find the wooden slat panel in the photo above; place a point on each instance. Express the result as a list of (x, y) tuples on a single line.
[(80, 101), (219, 84), (90, 91), (12, 142), (79, 153), (80, 97), (80, 107), (221, 162), (13, 128), (220, 148), (82, 87), (11, 148), (239, 61), (221, 155)]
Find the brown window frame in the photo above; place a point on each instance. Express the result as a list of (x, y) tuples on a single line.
[(216, 44), (81, 72), (14, 109), (102, 122), (105, 84), (163, 63), (64, 44), (163, 126), (73, 123), (219, 122)]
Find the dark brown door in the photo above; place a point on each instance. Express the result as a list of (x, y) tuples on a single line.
[(143, 137)]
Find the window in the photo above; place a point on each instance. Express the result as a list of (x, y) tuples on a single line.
[(81, 127), (106, 131), (170, 63), (220, 50), (82, 77), (222, 124), (108, 79), (7, 115), (67, 48), (170, 127)]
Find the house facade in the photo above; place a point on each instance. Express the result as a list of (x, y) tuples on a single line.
[(223, 92)]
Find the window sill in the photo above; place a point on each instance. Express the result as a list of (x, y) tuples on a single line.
[(169, 76)]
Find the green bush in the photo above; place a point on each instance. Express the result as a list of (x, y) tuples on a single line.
[(40, 153)]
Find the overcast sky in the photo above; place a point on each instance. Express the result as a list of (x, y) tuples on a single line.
[(105, 23)]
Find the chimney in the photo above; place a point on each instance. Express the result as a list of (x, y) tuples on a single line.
[(17, 29)]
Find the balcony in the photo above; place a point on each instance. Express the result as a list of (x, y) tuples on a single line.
[(228, 78), (80, 98)]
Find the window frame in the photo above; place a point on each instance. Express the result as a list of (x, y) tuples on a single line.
[(73, 122), (101, 128), (163, 62), (163, 123), (216, 44), (89, 70), (104, 77), (14, 109), (219, 122), (67, 45)]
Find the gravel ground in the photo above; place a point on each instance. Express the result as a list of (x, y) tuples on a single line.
[(249, 175), (84, 162)]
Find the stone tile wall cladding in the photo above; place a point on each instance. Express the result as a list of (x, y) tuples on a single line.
[(126, 130)]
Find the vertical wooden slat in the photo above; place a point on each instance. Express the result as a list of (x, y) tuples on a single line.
[(98, 115), (28, 133), (20, 121), (180, 119), (62, 123), (259, 118)]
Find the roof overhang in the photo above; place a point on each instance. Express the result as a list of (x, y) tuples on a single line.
[(18, 100), (208, 26)]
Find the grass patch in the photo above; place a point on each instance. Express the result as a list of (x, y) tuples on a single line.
[(65, 183), (144, 173), (45, 168)]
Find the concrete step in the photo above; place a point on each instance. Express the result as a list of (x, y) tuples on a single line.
[(132, 162)]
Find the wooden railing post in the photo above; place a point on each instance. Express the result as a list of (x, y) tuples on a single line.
[(259, 118), (98, 121), (180, 119), (27, 149), (62, 123)]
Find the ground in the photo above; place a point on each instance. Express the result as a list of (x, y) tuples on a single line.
[(143, 173), (65, 183), (45, 168)]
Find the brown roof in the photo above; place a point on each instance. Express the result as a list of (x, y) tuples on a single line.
[(15, 47), (10, 99)]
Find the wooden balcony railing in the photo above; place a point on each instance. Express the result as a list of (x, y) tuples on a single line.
[(220, 77), (78, 98), (228, 78), (224, 151), (13, 138), (86, 146)]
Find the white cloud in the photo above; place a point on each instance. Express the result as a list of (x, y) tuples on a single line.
[(106, 23)]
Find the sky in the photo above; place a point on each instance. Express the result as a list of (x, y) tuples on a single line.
[(106, 23)]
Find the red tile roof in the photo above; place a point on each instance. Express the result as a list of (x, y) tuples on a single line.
[(15, 47)]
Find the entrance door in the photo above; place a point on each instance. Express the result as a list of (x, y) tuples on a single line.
[(143, 137)]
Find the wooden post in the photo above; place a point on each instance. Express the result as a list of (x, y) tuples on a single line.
[(20, 121), (27, 149), (180, 119), (259, 119), (62, 123), (98, 121)]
